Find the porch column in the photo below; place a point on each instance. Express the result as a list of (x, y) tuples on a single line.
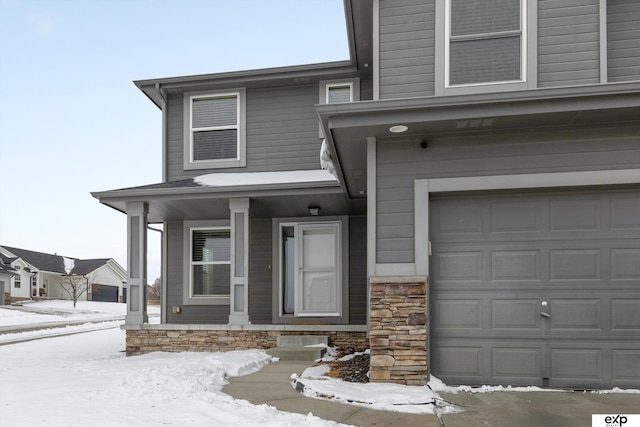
[(137, 263), (239, 310)]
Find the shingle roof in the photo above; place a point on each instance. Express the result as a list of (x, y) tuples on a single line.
[(86, 266), (55, 263)]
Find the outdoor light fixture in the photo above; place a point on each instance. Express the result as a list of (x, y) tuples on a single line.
[(398, 128), (314, 210)]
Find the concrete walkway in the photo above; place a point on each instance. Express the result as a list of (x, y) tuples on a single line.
[(272, 385)]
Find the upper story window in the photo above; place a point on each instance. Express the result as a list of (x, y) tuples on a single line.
[(214, 130), (486, 45), (339, 92)]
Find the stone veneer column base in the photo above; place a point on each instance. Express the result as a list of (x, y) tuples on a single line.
[(398, 330), (141, 341)]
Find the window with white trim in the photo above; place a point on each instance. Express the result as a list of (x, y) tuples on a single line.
[(310, 269), (485, 44), (16, 281), (210, 262), (339, 92), (214, 129)]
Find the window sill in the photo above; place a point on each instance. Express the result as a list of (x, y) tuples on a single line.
[(217, 300)]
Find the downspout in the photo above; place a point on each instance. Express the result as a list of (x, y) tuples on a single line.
[(163, 250), (163, 106)]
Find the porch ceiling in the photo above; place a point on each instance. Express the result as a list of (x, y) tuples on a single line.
[(187, 204)]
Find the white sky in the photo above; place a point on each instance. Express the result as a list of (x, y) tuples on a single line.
[(72, 122)]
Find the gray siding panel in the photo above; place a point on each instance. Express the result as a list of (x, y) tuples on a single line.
[(623, 40), (260, 272), (568, 43), (358, 270), (282, 132), (407, 40), (502, 153)]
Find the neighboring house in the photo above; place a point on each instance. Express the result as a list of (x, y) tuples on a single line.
[(6, 274), (487, 156), (39, 275)]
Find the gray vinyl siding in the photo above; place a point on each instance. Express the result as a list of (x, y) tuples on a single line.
[(260, 272), (407, 48), (358, 270), (568, 43), (623, 40), (400, 162), (281, 131), (190, 314)]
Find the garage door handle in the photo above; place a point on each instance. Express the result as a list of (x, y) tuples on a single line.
[(545, 314)]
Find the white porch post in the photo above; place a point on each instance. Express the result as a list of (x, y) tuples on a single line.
[(137, 263), (239, 310)]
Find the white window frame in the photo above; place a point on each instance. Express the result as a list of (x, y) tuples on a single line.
[(528, 54), (188, 297), (329, 86), (341, 315), (323, 93), (240, 126)]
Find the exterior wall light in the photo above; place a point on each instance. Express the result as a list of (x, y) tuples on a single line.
[(314, 210)]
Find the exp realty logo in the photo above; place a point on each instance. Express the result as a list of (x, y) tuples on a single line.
[(615, 420)]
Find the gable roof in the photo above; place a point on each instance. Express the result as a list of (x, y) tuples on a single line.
[(40, 260), (56, 263), (6, 269)]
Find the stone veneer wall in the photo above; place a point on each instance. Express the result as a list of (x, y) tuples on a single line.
[(398, 330), (141, 341)]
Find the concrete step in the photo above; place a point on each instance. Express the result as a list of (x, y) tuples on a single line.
[(298, 354), (301, 340)]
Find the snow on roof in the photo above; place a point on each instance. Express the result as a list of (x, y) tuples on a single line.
[(69, 264), (264, 178)]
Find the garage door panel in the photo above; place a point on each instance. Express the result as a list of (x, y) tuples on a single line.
[(515, 216), (516, 265), (569, 315), (458, 218), (574, 264), (465, 314), (460, 362), (625, 264), (458, 265), (574, 367), (515, 314), (625, 213), (516, 365), (625, 315), (574, 215), (626, 367)]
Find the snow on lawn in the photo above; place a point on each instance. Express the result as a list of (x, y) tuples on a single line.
[(50, 317), (85, 379)]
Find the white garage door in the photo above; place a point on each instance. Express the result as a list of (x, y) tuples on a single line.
[(536, 289)]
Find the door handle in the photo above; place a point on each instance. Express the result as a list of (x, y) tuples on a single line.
[(545, 314)]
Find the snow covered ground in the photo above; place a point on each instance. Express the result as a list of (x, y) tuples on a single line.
[(84, 378)]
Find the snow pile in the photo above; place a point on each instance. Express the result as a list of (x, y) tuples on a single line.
[(380, 396)]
